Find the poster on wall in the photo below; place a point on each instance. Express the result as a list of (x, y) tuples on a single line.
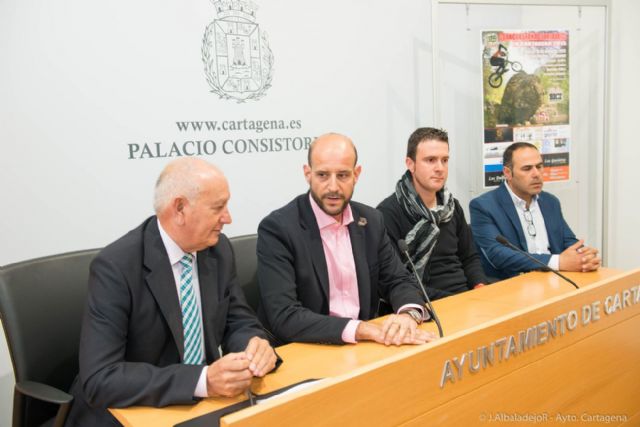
[(525, 83)]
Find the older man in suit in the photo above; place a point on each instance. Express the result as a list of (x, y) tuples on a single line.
[(162, 299), (529, 218), (325, 261)]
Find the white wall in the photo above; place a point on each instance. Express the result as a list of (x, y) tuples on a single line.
[(401, 90), (80, 82), (624, 173)]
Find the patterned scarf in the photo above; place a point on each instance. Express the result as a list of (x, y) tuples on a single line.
[(422, 238)]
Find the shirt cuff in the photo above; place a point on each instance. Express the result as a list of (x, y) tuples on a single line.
[(554, 262), (415, 306), (201, 387), (349, 332)]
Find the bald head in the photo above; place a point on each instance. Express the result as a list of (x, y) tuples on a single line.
[(333, 144), (184, 177), (332, 172)]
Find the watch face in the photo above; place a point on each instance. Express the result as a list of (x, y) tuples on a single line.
[(415, 316)]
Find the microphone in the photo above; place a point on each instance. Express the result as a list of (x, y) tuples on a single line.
[(503, 241), (404, 248)]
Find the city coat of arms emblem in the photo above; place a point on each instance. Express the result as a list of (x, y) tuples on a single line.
[(238, 62)]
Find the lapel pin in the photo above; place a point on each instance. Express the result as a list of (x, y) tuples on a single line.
[(362, 221)]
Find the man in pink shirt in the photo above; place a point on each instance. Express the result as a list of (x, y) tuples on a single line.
[(325, 261)]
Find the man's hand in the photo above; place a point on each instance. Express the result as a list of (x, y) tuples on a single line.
[(367, 331), (399, 327), (579, 258), (590, 259), (229, 375), (261, 356), (396, 329), (426, 336)]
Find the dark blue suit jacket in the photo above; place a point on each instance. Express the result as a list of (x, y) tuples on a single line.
[(494, 213)]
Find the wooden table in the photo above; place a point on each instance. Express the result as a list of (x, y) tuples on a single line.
[(593, 367)]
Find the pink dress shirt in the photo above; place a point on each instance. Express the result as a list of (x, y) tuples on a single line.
[(343, 282)]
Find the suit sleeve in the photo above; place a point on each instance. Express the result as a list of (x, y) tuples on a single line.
[(467, 251), (568, 236), (288, 318), (392, 227), (240, 320), (107, 379), (391, 224), (485, 228), (396, 284)]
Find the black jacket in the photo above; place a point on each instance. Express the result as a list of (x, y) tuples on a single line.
[(131, 343), (293, 278), (454, 265)]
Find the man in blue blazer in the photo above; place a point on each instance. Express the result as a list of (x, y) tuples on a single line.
[(529, 218)]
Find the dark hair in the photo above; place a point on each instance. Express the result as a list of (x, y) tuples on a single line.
[(424, 134), (507, 157)]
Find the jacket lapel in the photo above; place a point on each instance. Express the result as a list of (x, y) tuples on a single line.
[(358, 246), (550, 225), (208, 281), (161, 282), (505, 201), (312, 236)]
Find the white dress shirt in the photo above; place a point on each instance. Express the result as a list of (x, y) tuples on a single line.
[(538, 244)]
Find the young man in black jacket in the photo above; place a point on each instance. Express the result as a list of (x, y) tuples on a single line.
[(431, 221)]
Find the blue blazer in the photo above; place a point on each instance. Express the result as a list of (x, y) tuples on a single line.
[(494, 213)]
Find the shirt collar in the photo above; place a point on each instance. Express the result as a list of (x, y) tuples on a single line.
[(173, 250), (521, 203), (325, 220)]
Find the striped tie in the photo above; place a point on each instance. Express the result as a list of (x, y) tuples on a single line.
[(191, 319)]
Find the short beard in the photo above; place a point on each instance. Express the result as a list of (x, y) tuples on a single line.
[(318, 201)]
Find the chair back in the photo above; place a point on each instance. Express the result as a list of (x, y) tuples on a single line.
[(41, 307), (244, 250)]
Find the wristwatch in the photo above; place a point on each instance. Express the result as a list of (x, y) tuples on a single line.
[(415, 315)]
